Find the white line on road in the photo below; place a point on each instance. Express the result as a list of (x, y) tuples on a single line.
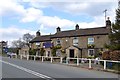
[(29, 71)]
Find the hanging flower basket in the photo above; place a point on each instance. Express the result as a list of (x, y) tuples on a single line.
[(90, 46)]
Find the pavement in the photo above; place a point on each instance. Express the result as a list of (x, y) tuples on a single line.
[(15, 68)]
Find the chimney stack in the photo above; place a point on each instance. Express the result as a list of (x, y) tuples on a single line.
[(108, 22), (58, 29), (38, 33), (77, 27)]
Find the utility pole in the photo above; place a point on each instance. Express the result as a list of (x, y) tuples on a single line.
[(105, 11), (119, 4)]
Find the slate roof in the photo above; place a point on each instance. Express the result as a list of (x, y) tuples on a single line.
[(82, 32), (73, 33), (41, 38)]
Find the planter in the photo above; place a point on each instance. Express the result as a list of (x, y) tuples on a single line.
[(90, 46)]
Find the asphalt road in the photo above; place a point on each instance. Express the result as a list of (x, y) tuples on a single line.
[(15, 68)]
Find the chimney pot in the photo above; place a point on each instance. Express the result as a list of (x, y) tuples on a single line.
[(38, 33), (58, 29), (77, 27)]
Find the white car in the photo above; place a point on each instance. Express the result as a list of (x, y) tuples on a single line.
[(10, 54)]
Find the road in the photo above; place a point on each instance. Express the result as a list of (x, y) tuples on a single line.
[(15, 68)]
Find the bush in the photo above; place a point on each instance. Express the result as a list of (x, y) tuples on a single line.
[(115, 55), (32, 52), (111, 55), (42, 51), (106, 55)]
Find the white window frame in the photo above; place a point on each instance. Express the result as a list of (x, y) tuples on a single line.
[(57, 41), (75, 41), (90, 41), (37, 43), (89, 52)]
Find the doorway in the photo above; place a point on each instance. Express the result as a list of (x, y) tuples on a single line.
[(72, 53)]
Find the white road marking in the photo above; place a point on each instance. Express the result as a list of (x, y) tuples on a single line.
[(29, 71)]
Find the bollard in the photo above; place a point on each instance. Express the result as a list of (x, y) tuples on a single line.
[(77, 61), (34, 58), (16, 56), (104, 64), (42, 59), (20, 56), (51, 59), (66, 60), (90, 63), (61, 60), (27, 57)]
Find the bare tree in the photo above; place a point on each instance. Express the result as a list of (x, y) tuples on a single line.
[(18, 43), (27, 38)]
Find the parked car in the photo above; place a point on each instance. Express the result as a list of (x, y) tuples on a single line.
[(10, 54)]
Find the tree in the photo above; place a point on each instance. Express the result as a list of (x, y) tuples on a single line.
[(18, 43), (27, 38), (115, 35)]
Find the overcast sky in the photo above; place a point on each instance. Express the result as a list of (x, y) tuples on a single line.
[(27, 16)]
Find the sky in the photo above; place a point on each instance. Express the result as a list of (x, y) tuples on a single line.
[(18, 17)]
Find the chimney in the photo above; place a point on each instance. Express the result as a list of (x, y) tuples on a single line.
[(108, 22), (108, 25), (77, 27), (58, 29), (38, 33)]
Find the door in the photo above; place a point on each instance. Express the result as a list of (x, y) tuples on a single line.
[(72, 53)]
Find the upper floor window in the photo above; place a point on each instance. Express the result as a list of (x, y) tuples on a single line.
[(58, 42), (90, 40), (37, 44), (75, 41)]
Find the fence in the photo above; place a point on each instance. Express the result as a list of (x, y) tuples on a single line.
[(82, 62)]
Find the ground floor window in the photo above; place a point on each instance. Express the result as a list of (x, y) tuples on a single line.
[(58, 53), (91, 52)]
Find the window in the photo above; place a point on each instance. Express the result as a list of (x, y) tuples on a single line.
[(58, 53), (58, 42), (38, 44), (90, 40), (90, 52), (75, 41)]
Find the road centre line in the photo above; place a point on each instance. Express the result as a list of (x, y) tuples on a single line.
[(29, 71)]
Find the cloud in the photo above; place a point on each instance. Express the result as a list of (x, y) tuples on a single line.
[(90, 8), (31, 14), (11, 6), (78, 7), (55, 22), (13, 33)]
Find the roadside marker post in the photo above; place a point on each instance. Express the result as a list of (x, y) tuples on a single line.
[(20, 56), (51, 59), (42, 58), (61, 60), (104, 64), (90, 63), (77, 61), (27, 57), (34, 58)]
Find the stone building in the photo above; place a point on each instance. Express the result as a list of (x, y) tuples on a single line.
[(3, 47), (24, 50), (74, 43)]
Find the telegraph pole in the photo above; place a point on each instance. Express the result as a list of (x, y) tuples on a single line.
[(105, 11), (119, 4)]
